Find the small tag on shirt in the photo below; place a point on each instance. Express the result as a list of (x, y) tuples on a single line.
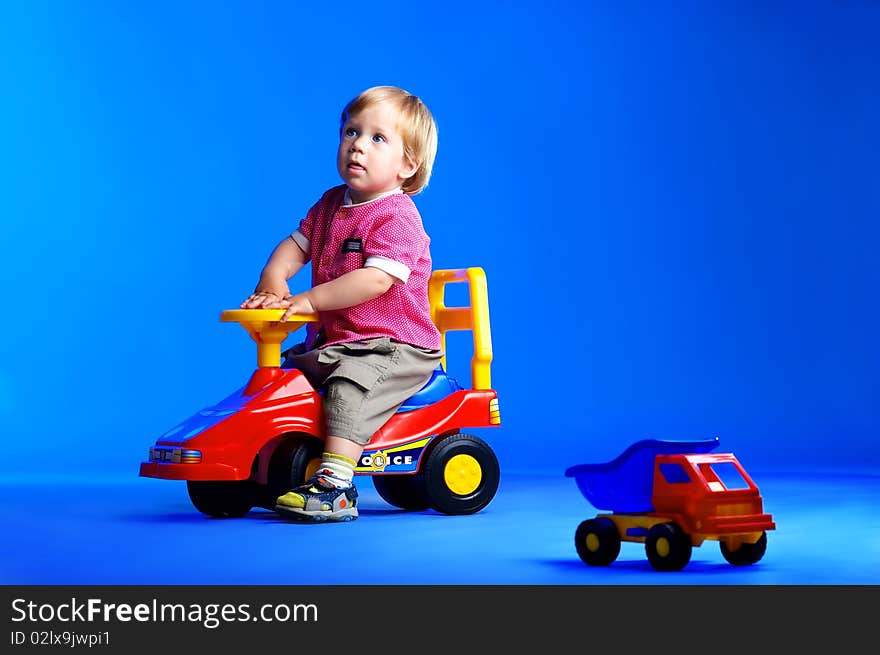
[(352, 245)]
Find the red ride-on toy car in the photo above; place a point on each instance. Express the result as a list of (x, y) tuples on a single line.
[(268, 435), (671, 496)]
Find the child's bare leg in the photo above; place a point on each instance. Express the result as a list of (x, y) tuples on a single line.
[(345, 447)]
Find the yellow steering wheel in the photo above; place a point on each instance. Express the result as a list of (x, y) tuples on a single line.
[(267, 330)]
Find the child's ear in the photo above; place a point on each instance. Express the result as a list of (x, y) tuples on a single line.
[(409, 168)]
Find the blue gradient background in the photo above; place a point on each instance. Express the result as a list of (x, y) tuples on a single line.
[(676, 206)]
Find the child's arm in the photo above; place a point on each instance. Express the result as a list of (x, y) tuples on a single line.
[(284, 262), (347, 290)]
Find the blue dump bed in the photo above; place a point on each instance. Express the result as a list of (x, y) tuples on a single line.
[(625, 484)]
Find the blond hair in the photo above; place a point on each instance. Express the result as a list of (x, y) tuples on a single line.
[(416, 126)]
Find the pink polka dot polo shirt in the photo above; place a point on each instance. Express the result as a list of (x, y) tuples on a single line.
[(386, 233)]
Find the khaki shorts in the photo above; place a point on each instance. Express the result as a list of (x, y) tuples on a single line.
[(364, 382)]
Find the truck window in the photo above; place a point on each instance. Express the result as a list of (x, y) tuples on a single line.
[(722, 476), (674, 473)]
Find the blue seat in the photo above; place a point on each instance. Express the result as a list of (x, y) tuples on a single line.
[(437, 388)]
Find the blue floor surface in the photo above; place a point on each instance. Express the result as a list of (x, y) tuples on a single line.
[(144, 531)]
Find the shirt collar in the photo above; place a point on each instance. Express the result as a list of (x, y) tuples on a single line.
[(346, 199)]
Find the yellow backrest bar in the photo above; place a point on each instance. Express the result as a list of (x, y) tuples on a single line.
[(474, 318)]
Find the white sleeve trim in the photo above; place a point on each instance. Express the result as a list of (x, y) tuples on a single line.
[(393, 268), (301, 241)]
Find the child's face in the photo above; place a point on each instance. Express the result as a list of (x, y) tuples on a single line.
[(370, 157)]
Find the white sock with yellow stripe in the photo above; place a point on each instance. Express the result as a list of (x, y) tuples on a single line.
[(336, 470)]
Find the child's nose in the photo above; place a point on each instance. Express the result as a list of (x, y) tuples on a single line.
[(358, 144)]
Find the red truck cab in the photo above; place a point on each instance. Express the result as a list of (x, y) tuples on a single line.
[(710, 496)]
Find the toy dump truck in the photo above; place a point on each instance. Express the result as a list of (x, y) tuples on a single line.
[(671, 496)]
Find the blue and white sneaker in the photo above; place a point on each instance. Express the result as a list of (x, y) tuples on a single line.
[(317, 499)]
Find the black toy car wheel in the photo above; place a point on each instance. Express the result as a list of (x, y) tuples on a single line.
[(597, 541), (745, 554), (222, 499), (403, 491), (295, 460), (668, 547), (461, 474)]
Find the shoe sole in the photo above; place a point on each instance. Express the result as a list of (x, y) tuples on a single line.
[(312, 517)]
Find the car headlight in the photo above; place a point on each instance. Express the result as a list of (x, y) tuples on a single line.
[(172, 455)]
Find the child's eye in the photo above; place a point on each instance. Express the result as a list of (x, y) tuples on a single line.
[(350, 132), (378, 138)]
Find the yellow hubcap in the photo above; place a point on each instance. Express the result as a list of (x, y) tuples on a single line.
[(592, 542), (663, 547), (462, 474)]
